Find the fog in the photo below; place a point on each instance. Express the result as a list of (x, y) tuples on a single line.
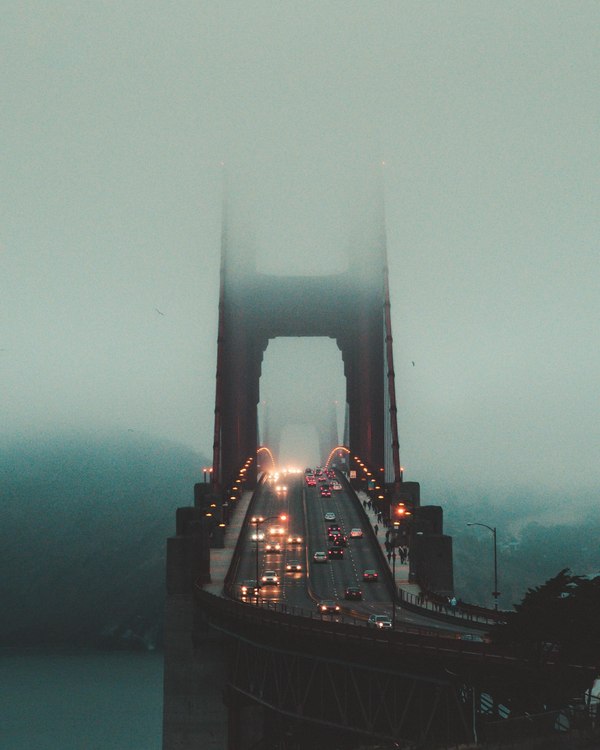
[(123, 126)]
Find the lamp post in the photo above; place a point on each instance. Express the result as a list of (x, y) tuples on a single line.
[(495, 592), (395, 588), (257, 520)]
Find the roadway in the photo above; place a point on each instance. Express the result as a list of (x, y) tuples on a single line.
[(305, 510)]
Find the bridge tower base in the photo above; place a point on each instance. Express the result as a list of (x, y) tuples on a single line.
[(195, 665)]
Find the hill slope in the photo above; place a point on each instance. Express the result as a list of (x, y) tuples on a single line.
[(83, 527)]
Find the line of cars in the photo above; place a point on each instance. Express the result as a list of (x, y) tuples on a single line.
[(352, 592), (275, 540), (337, 540), (326, 479)]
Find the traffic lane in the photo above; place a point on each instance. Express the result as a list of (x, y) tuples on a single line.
[(328, 580), (376, 599), (267, 503), (277, 504), (358, 555)]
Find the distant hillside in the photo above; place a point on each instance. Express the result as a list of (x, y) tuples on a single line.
[(538, 534), (83, 527)]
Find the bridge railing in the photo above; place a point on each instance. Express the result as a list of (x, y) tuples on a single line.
[(279, 618), (344, 616), (441, 607)]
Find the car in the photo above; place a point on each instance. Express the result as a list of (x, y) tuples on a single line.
[(320, 557), (311, 481), (383, 622), (356, 533), (329, 516), (325, 492), (273, 547), (353, 592), (270, 577), (333, 535), (328, 606), (295, 539), (276, 530), (335, 552), (334, 527), (475, 637), (260, 535), (249, 587), (281, 488), (340, 541), (370, 575), (294, 566), (336, 486)]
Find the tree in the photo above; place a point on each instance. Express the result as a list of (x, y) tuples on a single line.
[(557, 621)]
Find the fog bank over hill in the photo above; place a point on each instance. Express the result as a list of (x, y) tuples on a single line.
[(83, 525), (84, 520)]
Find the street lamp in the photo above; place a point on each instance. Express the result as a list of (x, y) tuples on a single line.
[(495, 592), (395, 588), (257, 520)]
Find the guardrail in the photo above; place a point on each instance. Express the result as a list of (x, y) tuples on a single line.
[(269, 618), (347, 616), (441, 608)]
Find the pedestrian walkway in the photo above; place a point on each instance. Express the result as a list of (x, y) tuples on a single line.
[(402, 579), (221, 557)]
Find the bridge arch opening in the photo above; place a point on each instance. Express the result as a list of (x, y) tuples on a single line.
[(302, 398)]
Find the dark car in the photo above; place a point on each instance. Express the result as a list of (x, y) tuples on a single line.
[(370, 575), (334, 527), (335, 552), (353, 592), (249, 587), (333, 535), (340, 541), (328, 606)]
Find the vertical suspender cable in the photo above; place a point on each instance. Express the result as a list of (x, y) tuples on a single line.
[(391, 379), (216, 473)]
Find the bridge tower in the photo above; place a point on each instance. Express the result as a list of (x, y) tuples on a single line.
[(351, 307)]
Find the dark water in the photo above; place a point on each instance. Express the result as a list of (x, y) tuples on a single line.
[(80, 700)]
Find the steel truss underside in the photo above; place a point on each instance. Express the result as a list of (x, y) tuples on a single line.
[(370, 702)]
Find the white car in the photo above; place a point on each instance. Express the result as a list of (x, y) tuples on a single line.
[(294, 566), (379, 621), (276, 530), (270, 577), (336, 486), (320, 557), (356, 533), (260, 535), (329, 516)]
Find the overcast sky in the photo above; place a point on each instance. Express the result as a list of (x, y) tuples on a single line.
[(116, 120)]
